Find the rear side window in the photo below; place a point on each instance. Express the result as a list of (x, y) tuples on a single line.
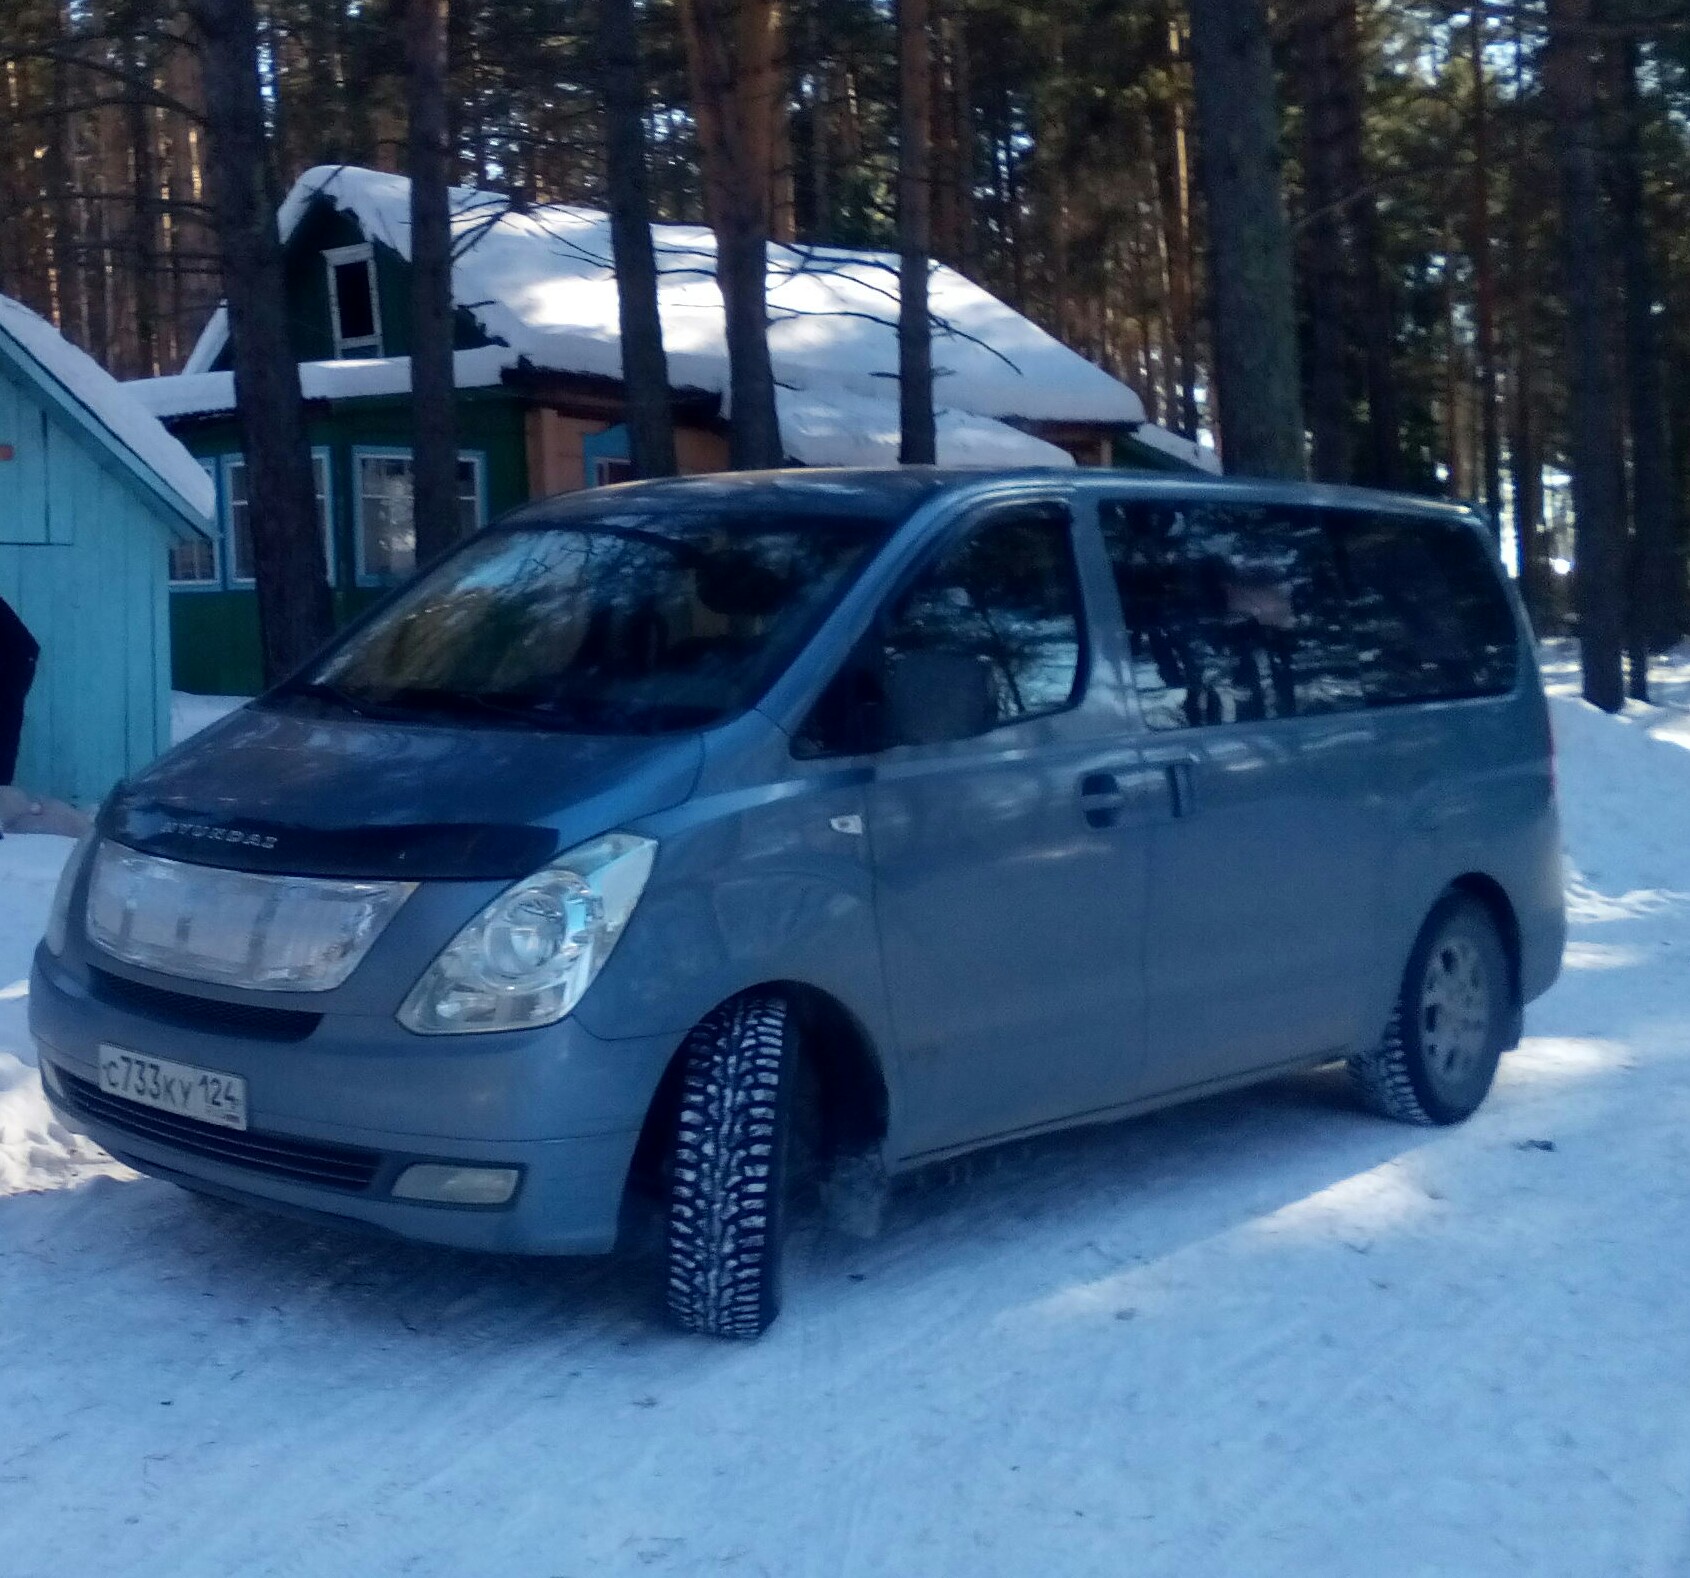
[(1009, 595), (1430, 620), (1235, 613)]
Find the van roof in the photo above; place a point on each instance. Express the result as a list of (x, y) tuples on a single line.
[(892, 493), (887, 494)]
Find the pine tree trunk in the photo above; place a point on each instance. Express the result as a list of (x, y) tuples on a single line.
[(1166, 370), (733, 54), (1593, 436), (1459, 481), (1314, 52), (1378, 317), (754, 440), (433, 383), (1011, 200), (821, 128), (100, 308), (1173, 199), (783, 198), (1381, 463), (1526, 473), (1050, 163), (1525, 449), (1657, 565), (645, 368), (1261, 417), (917, 440), (294, 612), (1677, 356), (1484, 282), (70, 302), (953, 155), (143, 172)]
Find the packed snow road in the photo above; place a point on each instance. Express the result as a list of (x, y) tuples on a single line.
[(1262, 1335)]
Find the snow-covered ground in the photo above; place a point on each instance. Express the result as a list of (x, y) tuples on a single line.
[(1262, 1335), (189, 713)]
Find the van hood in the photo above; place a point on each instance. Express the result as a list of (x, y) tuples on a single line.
[(312, 795)]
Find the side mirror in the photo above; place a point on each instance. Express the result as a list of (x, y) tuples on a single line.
[(934, 696)]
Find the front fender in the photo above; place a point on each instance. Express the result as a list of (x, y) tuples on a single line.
[(752, 884)]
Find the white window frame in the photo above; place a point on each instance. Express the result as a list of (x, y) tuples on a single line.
[(362, 452), (601, 469), (211, 465), (338, 257), (226, 515)]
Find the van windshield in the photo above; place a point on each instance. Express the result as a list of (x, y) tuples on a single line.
[(634, 622)]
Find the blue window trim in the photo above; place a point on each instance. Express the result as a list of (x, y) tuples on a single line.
[(225, 536), (363, 452), (212, 466)]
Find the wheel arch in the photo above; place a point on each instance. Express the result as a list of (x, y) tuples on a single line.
[(1491, 894), (856, 1099)]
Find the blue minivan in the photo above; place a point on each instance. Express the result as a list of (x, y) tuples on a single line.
[(729, 841)]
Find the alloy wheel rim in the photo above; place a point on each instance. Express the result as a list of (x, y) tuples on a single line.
[(1455, 1009)]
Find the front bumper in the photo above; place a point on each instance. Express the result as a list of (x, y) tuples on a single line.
[(336, 1117)]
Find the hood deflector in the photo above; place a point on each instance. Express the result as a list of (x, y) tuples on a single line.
[(417, 852)]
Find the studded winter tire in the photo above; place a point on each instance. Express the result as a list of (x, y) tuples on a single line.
[(1438, 1056), (727, 1172)]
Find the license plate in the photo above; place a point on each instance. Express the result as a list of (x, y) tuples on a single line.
[(200, 1093)]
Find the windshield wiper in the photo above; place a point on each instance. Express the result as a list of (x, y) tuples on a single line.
[(463, 704), (324, 690)]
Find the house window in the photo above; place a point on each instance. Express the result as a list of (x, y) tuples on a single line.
[(354, 300), (195, 563), (605, 457), (238, 516), (387, 534)]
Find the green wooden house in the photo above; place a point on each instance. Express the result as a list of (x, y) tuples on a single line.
[(538, 369), (95, 499)]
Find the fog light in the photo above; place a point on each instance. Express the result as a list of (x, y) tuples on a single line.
[(456, 1185)]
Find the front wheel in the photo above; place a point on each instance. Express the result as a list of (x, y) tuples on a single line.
[(1439, 1053), (728, 1167)]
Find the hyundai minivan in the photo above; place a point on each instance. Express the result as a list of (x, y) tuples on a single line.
[(705, 835)]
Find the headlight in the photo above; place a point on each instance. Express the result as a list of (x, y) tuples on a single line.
[(58, 917), (528, 958)]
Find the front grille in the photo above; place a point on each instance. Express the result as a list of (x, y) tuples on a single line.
[(189, 1011), (301, 1161)]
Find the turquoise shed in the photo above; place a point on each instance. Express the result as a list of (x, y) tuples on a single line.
[(94, 498)]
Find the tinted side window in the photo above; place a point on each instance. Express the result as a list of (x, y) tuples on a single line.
[(1235, 613), (1009, 595), (1430, 621)]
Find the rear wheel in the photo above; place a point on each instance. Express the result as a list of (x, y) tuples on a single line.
[(729, 1166), (1438, 1057)]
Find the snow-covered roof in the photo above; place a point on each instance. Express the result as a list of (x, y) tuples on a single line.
[(133, 428), (1181, 448), (204, 394), (840, 429), (542, 283), (818, 428)]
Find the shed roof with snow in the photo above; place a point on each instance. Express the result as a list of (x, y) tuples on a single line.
[(94, 493)]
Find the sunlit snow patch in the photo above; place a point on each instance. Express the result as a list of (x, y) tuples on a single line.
[(1601, 956)]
